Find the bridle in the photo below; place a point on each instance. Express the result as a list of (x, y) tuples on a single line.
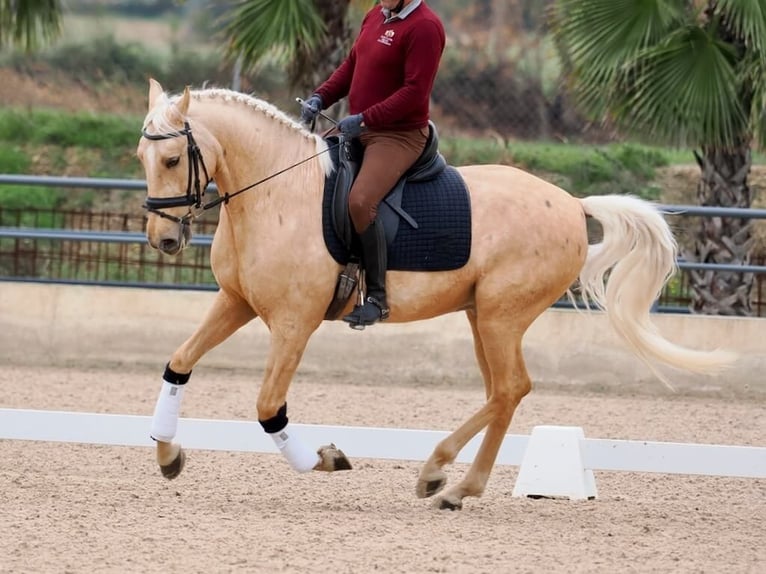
[(194, 190)]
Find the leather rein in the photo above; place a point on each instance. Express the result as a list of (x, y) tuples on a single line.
[(195, 192)]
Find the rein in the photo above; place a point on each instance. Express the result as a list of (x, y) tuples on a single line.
[(194, 191)]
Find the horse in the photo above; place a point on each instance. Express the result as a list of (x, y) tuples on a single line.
[(529, 248)]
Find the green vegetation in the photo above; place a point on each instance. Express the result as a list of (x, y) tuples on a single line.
[(13, 159), (34, 140), (51, 142), (103, 145), (87, 130), (580, 169), (619, 168)]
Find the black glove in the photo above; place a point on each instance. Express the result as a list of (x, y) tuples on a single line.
[(351, 126), (310, 108)]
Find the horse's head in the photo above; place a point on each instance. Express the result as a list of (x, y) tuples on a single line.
[(176, 173), (226, 136)]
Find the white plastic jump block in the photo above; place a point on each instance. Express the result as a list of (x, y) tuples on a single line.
[(553, 467)]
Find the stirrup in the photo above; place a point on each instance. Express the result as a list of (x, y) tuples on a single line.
[(368, 314)]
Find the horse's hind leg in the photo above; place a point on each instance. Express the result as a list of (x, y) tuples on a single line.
[(432, 478), (227, 314), (507, 383)]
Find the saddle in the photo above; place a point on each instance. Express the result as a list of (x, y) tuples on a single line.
[(427, 167), (427, 227)]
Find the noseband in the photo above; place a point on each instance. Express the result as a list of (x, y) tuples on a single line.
[(194, 190)]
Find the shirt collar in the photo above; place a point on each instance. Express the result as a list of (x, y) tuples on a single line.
[(406, 11)]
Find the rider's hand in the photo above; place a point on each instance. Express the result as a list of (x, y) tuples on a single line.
[(310, 108), (351, 126)]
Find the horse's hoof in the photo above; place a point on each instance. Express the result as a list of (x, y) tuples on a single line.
[(426, 488), (331, 458), (172, 470), (446, 504)]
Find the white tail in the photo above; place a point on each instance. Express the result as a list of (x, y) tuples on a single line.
[(638, 252)]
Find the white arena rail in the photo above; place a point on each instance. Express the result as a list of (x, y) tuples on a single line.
[(554, 461)]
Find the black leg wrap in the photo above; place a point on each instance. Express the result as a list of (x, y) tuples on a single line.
[(175, 378), (277, 422)]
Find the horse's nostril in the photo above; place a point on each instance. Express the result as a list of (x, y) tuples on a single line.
[(169, 245)]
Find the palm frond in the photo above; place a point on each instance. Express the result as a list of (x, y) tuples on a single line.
[(685, 90), (257, 28), (746, 19), (29, 23), (602, 33), (597, 37), (753, 75)]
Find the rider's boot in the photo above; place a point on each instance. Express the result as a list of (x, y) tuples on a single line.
[(375, 260)]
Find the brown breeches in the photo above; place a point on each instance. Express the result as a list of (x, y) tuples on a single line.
[(387, 155)]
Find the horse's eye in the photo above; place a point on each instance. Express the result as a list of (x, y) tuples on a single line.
[(172, 162)]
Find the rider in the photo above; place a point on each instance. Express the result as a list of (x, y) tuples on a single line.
[(388, 77)]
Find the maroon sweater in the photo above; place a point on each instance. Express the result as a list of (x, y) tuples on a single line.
[(389, 74)]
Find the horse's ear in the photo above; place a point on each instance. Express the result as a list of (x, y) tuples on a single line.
[(183, 103), (155, 91)]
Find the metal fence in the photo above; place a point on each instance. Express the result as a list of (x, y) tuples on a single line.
[(105, 248)]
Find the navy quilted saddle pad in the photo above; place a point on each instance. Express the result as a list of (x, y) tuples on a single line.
[(442, 210)]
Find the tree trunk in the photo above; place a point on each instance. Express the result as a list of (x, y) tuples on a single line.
[(728, 240)]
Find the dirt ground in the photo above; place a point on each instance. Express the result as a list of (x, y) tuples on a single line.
[(78, 508)]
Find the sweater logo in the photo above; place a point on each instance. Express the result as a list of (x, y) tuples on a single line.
[(387, 38)]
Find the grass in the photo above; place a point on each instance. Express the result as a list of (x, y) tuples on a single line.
[(581, 169), (89, 130), (103, 145)]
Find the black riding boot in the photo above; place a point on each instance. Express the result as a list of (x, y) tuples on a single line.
[(374, 259)]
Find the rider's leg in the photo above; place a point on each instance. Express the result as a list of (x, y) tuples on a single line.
[(374, 259), (387, 155)]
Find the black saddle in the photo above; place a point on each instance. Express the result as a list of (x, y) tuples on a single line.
[(432, 200), (390, 212)]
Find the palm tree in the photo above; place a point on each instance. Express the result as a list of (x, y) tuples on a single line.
[(29, 23), (689, 73), (311, 36)]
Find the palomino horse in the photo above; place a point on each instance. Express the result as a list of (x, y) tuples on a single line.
[(528, 247)]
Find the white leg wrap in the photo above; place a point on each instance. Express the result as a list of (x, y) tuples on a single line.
[(301, 457), (165, 421)]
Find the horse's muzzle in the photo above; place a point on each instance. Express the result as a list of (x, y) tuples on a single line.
[(172, 245)]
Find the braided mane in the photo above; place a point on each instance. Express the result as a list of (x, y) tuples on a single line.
[(164, 116)]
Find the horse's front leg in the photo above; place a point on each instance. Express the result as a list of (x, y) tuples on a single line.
[(227, 314), (288, 342)]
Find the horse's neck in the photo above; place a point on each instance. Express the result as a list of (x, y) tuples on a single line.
[(254, 147), (253, 150)]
